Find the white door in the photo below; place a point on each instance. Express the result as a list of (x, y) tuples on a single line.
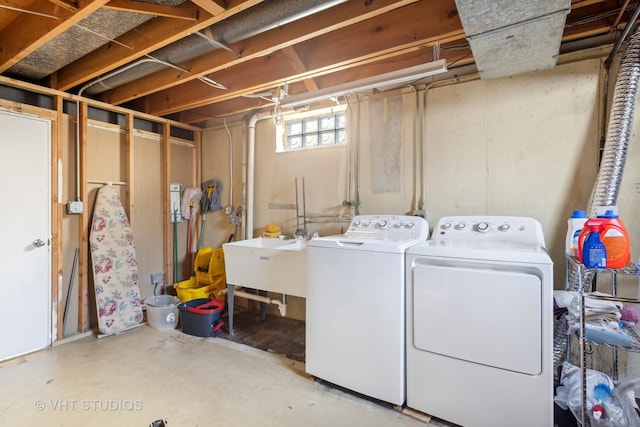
[(25, 231)]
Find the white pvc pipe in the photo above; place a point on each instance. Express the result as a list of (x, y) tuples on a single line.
[(282, 306), (251, 146), (230, 166)]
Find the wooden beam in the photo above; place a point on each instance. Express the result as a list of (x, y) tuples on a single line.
[(185, 10), (333, 19), (129, 176), (29, 32), (146, 38), (220, 108), (71, 6), (576, 4), (166, 200), (9, 105), (214, 7), (402, 31), (298, 67), (223, 108), (57, 255), (84, 264), (197, 170), (196, 177)]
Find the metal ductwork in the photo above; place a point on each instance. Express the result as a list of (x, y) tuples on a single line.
[(255, 20), (509, 37), (607, 185)]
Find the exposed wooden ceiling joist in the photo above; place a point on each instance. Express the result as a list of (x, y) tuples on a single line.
[(333, 19), (185, 10), (145, 39), (327, 44)]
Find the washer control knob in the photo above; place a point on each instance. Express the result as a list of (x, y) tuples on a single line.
[(482, 227), (446, 226), (366, 224), (382, 224), (397, 225), (504, 227), (460, 226), (409, 225), (356, 223)]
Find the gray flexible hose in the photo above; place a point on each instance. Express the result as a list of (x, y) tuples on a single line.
[(607, 185)]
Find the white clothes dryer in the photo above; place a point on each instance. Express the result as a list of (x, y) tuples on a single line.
[(480, 323), (355, 305)]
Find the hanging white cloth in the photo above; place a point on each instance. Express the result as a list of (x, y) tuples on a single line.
[(190, 202)]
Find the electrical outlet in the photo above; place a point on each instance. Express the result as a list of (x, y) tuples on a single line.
[(418, 212), (157, 278), (75, 207)]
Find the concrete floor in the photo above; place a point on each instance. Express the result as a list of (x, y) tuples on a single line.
[(144, 375)]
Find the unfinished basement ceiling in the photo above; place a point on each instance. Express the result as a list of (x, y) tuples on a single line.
[(201, 59), (259, 19)]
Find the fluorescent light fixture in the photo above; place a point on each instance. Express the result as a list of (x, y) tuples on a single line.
[(387, 80)]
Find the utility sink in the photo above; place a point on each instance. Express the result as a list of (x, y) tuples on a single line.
[(268, 264)]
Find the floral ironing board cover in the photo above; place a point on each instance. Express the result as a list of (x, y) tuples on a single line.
[(115, 269)]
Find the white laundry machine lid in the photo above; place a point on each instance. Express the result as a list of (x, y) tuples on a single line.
[(504, 238), (378, 233), (486, 251)]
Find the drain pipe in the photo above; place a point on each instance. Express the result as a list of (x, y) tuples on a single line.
[(282, 305), (229, 209), (251, 146)]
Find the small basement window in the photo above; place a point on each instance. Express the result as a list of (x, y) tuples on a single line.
[(319, 128)]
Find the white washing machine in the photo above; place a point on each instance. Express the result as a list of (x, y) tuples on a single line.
[(479, 323), (355, 305)]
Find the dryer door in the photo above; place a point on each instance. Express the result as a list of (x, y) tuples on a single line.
[(485, 314)]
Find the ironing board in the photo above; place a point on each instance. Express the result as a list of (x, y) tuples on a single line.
[(115, 269)]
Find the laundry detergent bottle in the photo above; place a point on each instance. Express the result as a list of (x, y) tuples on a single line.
[(591, 251), (575, 224), (615, 238)]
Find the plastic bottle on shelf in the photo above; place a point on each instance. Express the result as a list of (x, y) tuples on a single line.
[(575, 225), (591, 251), (615, 237)]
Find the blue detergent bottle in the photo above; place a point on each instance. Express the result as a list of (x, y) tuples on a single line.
[(594, 253)]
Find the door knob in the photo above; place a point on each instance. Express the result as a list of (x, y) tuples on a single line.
[(38, 243)]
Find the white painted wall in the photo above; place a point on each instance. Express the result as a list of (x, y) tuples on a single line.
[(525, 145)]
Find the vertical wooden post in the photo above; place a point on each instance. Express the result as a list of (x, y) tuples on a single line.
[(197, 162), (166, 180), (128, 167), (57, 303), (84, 264)]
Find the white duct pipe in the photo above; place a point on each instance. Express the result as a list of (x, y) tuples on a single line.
[(251, 145), (229, 208)]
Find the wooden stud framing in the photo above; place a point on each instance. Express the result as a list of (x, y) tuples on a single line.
[(166, 180), (57, 305), (84, 264), (128, 166), (83, 224)]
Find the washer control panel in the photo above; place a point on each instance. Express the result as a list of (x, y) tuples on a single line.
[(388, 227), (511, 229)]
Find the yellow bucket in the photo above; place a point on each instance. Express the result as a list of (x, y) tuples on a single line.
[(188, 290)]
